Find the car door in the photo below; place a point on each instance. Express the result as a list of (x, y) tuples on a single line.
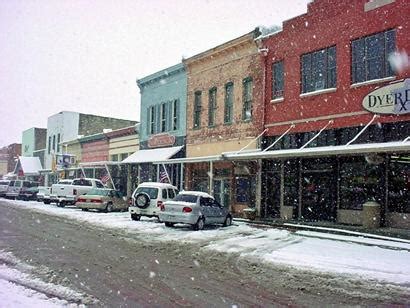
[(218, 212), (206, 208)]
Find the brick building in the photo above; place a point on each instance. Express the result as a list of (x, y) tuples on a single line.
[(224, 113), (337, 114), (8, 157)]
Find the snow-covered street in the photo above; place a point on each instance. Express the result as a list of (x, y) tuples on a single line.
[(361, 257)]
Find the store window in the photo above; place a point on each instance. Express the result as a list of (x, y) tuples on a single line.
[(228, 112), (359, 182), (291, 183), (247, 99), (212, 106), (370, 56), (399, 184), (197, 109), (319, 70), (244, 189), (277, 80)]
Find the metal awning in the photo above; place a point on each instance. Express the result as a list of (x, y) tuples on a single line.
[(98, 164), (199, 159), (152, 155), (367, 148)]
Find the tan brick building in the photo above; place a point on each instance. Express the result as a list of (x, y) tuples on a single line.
[(224, 113)]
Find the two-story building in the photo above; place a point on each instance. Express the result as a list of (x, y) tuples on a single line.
[(337, 111), (163, 125)]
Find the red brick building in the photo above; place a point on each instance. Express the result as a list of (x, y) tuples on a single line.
[(332, 142)]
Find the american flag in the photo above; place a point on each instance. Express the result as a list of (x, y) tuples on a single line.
[(105, 178), (163, 177)]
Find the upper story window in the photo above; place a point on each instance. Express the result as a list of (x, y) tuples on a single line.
[(277, 80), (49, 144), (319, 70), (370, 56), (197, 109), (174, 114), (58, 143), (163, 117), (247, 99), (212, 107), (151, 120), (54, 143), (228, 112)]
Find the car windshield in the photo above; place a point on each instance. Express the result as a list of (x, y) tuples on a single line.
[(186, 198), (98, 192), (4, 182), (150, 191)]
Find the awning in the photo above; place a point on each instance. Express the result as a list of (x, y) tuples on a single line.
[(367, 148), (151, 155), (29, 165)]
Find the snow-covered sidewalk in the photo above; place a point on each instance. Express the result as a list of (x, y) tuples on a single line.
[(360, 257)]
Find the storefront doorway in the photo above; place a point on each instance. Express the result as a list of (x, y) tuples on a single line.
[(222, 191), (318, 198)]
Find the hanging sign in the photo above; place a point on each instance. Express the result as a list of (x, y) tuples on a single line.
[(391, 99)]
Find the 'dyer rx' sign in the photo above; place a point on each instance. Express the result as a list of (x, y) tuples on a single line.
[(390, 99)]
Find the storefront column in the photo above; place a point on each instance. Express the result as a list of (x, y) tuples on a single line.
[(258, 187), (282, 186), (211, 178), (181, 180), (129, 183), (300, 189)]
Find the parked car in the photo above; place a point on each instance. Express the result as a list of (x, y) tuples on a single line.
[(196, 209), (28, 193), (19, 187), (107, 200), (67, 194), (4, 184), (148, 198), (43, 194)]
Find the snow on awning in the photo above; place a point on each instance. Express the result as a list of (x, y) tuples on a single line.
[(386, 147), (199, 159), (98, 164), (29, 165), (152, 155)]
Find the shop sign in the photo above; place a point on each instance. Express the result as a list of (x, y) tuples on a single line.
[(391, 99), (161, 140)]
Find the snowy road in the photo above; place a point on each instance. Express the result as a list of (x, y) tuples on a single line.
[(368, 266)]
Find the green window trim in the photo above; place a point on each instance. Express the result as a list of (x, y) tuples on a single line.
[(197, 110), (247, 98), (212, 106), (228, 111)]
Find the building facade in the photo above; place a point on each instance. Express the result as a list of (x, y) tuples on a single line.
[(9, 157), (224, 113), (34, 143), (163, 123), (332, 81)]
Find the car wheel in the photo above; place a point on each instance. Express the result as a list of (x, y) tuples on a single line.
[(199, 224), (46, 201), (85, 210), (61, 204), (135, 217), (109, 208), (142, 200), (169, 224), (228, 221)]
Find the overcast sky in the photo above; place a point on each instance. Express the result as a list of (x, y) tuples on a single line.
[(85, 56)]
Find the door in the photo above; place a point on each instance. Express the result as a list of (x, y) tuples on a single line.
[(272, 195), (222, 192)]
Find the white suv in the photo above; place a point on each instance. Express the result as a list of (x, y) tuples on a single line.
[(148, 198)]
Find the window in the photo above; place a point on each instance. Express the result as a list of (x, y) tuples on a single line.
[(370, 56), (151, 117), (124, 156), (319, 70), (228, 113), (277, 80), (247, 99), (54, 143), (114, 157), (212, 107), (58, 143), (99, 185), (163, 112), (197, 109), (49, 144), (82, 182), (164, 193), (243, 186), (174, 114), (171, 193)]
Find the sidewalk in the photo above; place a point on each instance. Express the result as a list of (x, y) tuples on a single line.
[(385, 233)]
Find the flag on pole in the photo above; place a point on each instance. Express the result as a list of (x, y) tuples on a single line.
[(163, 177), (105, 178)]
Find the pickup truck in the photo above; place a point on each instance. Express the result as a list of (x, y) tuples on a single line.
[(67, 194)]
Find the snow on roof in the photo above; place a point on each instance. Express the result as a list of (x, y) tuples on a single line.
[(30, 165), (152, 155)]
